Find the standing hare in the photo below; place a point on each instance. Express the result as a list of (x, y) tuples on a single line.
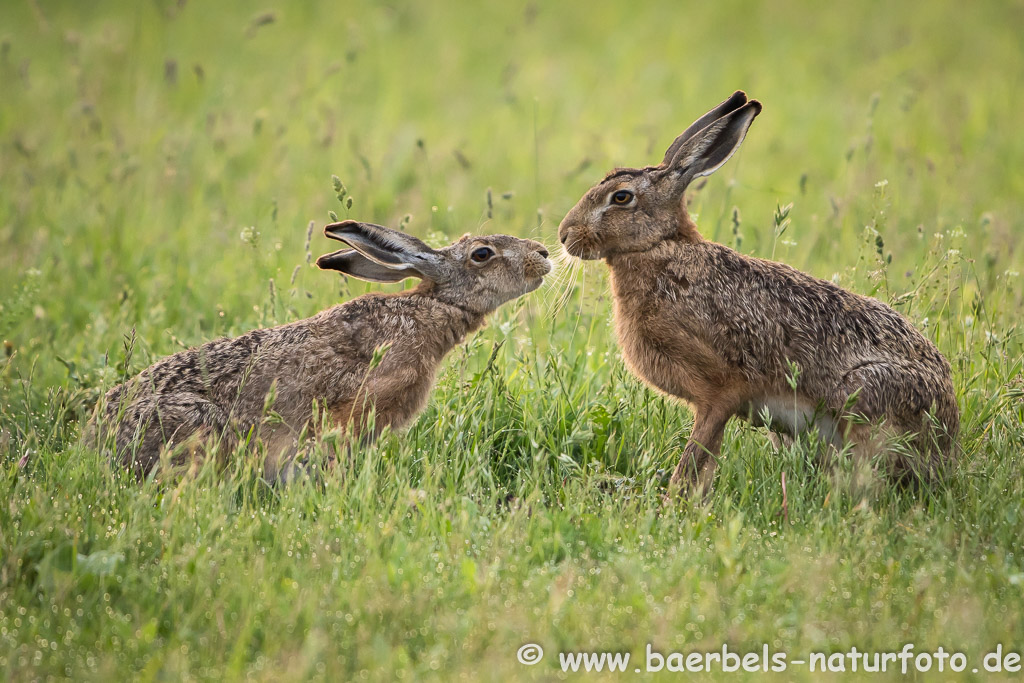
[(266, 383), (723, 331)]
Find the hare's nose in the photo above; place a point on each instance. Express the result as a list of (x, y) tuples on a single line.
[(543, 252)]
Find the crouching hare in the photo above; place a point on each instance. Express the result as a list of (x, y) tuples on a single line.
[(721, 330), (221, 389)]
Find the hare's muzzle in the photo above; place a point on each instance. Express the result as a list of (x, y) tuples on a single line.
[(579, 241), (537, 264)]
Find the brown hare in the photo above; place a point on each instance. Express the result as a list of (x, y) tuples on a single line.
[(724, 331), (265, 383)]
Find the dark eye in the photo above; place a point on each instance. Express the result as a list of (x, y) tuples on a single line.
[(481, 254), (622, 197)]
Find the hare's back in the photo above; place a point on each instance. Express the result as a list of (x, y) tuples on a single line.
[(762, 316), (816, 310), (218, 368)]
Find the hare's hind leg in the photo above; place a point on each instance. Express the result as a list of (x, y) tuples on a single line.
[(153, 424), (887, 406)]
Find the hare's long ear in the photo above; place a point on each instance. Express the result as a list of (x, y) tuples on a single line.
[(350, 262), (386, 248), (707, 149), (734, 102)]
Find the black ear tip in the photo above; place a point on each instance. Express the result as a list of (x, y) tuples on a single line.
[(332, 260), (340, 226), (734, 102), (755, 105)]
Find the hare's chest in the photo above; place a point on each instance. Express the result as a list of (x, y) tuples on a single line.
[(668, 358)]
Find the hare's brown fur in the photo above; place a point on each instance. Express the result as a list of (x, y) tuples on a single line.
[(724, 331), (221, 388)]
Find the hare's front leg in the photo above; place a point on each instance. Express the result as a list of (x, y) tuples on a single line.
[(696, 469)]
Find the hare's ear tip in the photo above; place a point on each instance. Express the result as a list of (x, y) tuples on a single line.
[(341, 224), (332, 228), (756, 106), (331, 261)]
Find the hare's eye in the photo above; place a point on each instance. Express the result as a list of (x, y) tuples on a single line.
[(622, 197), (482, 254)]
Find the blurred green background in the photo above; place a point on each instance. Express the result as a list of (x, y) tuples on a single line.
[(140, 139), (160, 163)]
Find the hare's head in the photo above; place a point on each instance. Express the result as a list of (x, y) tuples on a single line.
[(476, 273), (633, 209)]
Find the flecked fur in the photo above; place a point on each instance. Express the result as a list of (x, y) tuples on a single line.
[(223, 389), (723, 331)]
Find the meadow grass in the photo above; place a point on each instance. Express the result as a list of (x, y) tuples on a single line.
[(160, 164)]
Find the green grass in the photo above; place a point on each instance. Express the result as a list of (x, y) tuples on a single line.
[(139, 141)]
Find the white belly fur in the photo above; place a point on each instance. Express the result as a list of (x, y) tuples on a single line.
[(793, 415)]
